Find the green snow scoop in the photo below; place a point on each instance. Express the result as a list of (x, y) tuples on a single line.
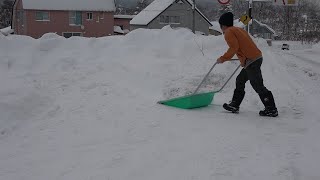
[(196, 100)]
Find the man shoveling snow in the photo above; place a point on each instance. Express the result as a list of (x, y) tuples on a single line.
[(250, 57)]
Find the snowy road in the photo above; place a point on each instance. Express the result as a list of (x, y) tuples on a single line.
[(309, 56)]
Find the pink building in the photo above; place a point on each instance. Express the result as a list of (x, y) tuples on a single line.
[(88, 18)]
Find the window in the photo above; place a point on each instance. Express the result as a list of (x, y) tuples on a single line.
[(19, 16), (100, 16), (76, 34), (42, 16), (164, 19), (267, 35), (89, 16), (70, 34), (75, 18), (169, 19), (175, 19)]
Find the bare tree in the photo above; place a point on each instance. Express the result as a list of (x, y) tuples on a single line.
[(5, 13), (142, 4), (290, 22)]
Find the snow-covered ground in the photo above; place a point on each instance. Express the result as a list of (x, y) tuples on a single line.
[(85, 109)]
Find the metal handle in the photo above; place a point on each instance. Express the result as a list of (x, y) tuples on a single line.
[(204, 78), (229, 79), (210, 72)]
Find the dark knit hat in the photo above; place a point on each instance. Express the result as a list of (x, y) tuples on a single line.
[(226, 19)]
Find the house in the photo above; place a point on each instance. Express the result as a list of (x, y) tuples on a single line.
[(176, 13), (264, 31), (122, 23), (67, 18)]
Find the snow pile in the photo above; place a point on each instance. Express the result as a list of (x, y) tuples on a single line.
[(6, 31), (85, 108), (118, 29), (1, 35), (316, 46)]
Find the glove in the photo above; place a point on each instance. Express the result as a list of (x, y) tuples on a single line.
[(219, 61)]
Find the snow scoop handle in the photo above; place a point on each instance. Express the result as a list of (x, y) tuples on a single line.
[(229, 78), (204, 78), (210, 72)]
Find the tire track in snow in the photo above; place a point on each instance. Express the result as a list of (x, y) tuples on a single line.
[(312, 62)]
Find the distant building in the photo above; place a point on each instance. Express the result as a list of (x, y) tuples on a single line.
[(262, 30), (90, 18), (176, 13), (122, 23)]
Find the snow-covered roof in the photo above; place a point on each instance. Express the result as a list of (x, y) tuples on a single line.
[(215, 26), (79, 5), (268, 27), (118, 29), (151, 12), (121, 16), (154, 9)]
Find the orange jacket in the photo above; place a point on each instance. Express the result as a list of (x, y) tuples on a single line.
[(240, 43)]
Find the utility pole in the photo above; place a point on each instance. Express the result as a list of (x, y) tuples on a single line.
[(193, 17), (250, 14)]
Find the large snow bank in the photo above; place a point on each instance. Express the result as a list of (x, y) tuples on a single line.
[(85, 108)]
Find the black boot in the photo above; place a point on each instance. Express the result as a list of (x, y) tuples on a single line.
[(270, 107), (233, 106)]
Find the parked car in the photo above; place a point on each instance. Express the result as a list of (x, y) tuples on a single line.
[(285, 47)]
